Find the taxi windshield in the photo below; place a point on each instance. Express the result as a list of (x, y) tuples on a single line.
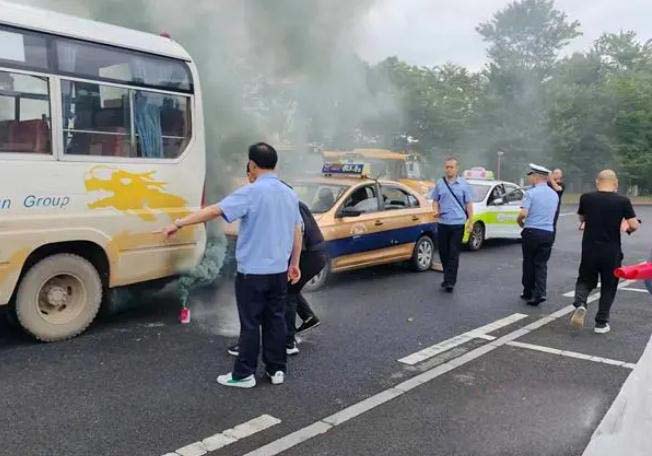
[(319, 197), (479, 192)]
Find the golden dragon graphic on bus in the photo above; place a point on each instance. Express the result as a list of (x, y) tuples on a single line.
[(138, 194)]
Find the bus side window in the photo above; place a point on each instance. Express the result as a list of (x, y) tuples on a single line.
[(97, 120), (24, 114), (162, 124)]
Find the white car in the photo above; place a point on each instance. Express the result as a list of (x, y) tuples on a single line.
[(496, 205)]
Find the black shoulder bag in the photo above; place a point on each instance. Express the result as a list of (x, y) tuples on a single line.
[(455, 196)]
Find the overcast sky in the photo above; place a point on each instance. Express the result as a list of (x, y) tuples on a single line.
[(433, 32)]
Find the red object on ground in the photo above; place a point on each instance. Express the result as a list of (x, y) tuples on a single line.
[(184, 316), (641, 271)]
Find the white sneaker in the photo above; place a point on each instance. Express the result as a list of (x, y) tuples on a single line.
[(292, 350), (602, 329), (228, 380), (577, 320), (278, 378)]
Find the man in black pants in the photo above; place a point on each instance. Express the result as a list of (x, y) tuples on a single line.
[(537, 218), (556, 182), (452, 201), (267, 253), (601, 214), (313, 259)]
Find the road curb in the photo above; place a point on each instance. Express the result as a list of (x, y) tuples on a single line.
[(625, 429)]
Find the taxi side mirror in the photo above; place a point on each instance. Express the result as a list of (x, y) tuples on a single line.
[(348, 212)]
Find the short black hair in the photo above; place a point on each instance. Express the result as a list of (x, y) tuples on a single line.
[(263, 155)]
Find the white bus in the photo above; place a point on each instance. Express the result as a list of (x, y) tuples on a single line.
[(101, 145)]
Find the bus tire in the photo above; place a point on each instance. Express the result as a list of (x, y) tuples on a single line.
[(59, 297), (423, 254)]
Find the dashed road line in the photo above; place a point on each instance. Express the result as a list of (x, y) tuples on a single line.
[(638, 290), (326, 424), (571, 354), (596, 296), (227, 437), (456, 341)]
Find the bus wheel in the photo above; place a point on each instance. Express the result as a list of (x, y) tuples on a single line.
[(59, 297)]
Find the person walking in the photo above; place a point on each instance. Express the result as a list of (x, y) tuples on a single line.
[(269, 240), (313, 260), (452, 201), (556, 182), (602, 213), (537, 218)]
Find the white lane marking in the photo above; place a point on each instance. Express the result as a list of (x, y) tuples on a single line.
[(566, 214), (571, 354), (486, 337), (638, 290), (227, 437), (324, 425), (596, 296), (456, 341)]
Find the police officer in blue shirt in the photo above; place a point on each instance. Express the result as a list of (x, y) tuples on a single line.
[(269, 240), (453, 203), (537, 218)]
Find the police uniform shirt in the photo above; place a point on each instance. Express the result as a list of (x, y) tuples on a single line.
[(541, 203), (268, 211), (450, 211)]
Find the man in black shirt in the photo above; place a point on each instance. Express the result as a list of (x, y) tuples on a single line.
[(555, 182), (601, 214)]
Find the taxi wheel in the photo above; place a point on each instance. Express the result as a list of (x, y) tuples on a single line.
[(59, 297), (476, 238), (319, 281), (424, 250)]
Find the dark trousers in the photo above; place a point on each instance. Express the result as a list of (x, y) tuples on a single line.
[(537, 245), (261, 302), (449, 242), (598, 261), (310, 263)]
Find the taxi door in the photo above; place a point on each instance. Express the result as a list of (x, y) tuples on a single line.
[(360, 229), (513, 200), (402, 218)]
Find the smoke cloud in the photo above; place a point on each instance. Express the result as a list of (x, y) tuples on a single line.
[(282, 71)]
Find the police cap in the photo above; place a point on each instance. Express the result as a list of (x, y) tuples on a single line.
[(537, 169)]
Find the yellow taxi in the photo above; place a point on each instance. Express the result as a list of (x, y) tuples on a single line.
[(367, 222)]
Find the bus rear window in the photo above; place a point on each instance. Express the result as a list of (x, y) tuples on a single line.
[(97, 61)]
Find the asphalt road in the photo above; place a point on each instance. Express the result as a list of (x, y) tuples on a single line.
[(141, 384)]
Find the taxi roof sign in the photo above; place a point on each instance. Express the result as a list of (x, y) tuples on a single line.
[(478, 172), (350, 169)]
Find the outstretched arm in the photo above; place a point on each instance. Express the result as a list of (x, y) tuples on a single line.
[(201, 216)]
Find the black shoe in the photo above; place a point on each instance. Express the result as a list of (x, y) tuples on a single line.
[(233, 350), (444, 284), (311, 322), (536, 301), (526, 296), (449, 288)]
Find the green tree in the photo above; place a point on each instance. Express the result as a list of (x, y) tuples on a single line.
[(525, 39)]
